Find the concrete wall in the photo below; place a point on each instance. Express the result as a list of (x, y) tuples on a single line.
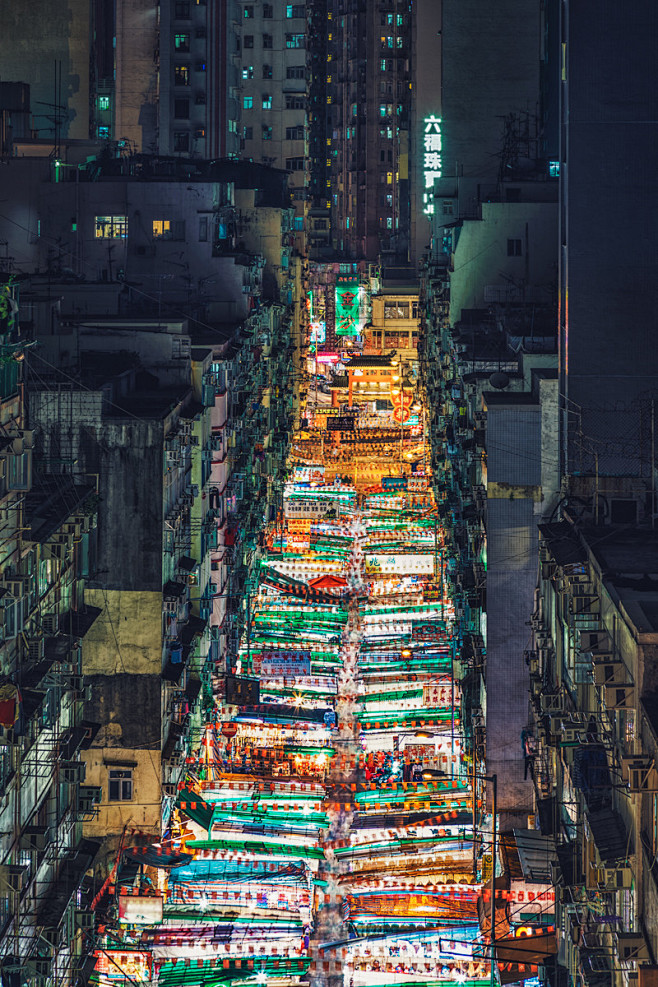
[(39, 39), (481, 258), (126, 638), (490, 68), (136, 84), (610, 184), (513, 478)]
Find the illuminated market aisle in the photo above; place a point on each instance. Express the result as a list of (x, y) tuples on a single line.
[(327, 822)]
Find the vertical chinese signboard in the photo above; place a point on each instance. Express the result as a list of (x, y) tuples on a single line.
[(432, 163)]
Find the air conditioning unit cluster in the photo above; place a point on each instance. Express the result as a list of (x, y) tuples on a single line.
[(551, 703), (632, 947), (35, 648), (89, 798), (13, 877), (614, 878), (35, 838), (72, 772), (598, 642), (641, 774), (610, 673), (619, 696)]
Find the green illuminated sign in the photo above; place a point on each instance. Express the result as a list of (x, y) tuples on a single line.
[(347, 307)]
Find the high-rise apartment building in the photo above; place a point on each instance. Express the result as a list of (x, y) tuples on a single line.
[(155, 77), (360, 108), (273, 42)]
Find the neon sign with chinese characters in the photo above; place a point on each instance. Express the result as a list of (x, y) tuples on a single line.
[(432, 162)]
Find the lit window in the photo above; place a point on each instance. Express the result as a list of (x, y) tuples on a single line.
[(389, 177), (247, 102), (182, 42), (111, 227), (103, 102), (295, 41), (299, 223), (249, 10), (247, 71), (120, 785), (103, 133), (181, 75), (267, 133), (162, 229), (553, 169), (295, 10), (382, 110), (389, 223), (266, 101), (382, 65)]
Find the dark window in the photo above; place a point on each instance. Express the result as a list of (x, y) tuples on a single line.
[(248, 133), (296, 72), (514, 248), (248, 41), (267, 41), (268, 11), (182, 109), (295, 102), (200, 32), (181, 141), (203, 228), (200, 99), (294, 164), (267, 71), (182, 10), (120, 785), (295, 133)]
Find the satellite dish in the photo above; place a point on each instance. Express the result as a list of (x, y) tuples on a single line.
[(499, 380)]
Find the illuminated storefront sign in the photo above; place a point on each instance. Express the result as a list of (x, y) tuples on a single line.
[(400, 564), (318, 332), (432, 161), (348, 307), (283, 664)]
